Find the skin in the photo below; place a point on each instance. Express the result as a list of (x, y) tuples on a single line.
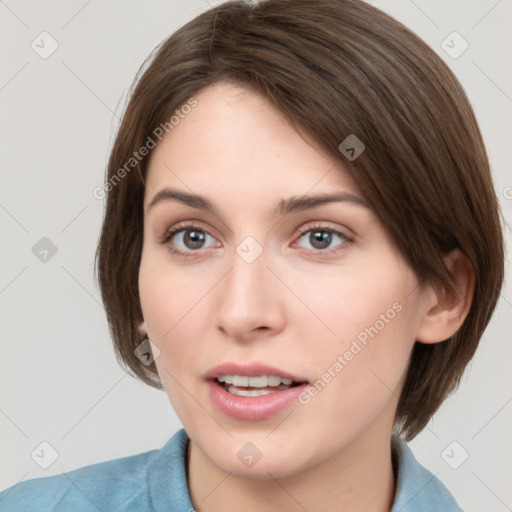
[(294, 307)]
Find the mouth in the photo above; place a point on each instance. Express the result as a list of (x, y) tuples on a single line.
[(253, 392), (243, 385)]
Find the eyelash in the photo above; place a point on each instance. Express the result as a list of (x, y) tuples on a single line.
[(317, 227)]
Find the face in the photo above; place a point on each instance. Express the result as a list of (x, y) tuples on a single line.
[(316, 292)]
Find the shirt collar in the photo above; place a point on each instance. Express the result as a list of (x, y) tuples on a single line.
[(167, 476), (417, 489)]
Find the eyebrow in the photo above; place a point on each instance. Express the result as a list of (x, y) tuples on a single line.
[(285, 206)]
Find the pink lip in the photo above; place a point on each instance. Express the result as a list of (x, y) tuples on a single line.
[(252, 408), (249, 370)]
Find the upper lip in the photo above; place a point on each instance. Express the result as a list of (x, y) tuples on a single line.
[(250, 370)]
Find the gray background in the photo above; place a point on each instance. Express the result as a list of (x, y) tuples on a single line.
[(60, 382)]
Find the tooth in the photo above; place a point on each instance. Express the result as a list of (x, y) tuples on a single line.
[(249, 392), (258, 382), (240, 380), (261, 381), (273, 380)]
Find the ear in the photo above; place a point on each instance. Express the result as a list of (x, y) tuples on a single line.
[(142, 329), (445, 310)]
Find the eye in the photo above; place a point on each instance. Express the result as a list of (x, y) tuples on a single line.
[(187, 239), (321, 239)]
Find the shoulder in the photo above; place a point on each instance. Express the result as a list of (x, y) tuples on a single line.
[(118, 484), (419, 490)]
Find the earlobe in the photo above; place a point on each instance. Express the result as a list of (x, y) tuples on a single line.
[(142, 328), (445, 309)]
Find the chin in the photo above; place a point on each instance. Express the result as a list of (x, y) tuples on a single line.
[(274, 464)]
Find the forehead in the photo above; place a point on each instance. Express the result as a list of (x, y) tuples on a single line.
[(235, 143)]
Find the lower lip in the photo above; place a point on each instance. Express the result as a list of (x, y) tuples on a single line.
[(253, 408)]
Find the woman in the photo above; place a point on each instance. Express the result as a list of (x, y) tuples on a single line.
[(302, 247)]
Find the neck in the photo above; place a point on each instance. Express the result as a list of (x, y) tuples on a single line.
[(360, 477)]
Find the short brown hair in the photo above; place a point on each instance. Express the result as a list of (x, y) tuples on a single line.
[(334, 67)]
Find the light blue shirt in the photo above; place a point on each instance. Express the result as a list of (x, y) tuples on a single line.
[(156, 481)]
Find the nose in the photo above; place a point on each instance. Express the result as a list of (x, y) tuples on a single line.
[(249, 303)]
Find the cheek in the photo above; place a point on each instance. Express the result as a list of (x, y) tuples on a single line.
[(369, 319), (176, 321), (174, 307), (164, 291), (363, 301)]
